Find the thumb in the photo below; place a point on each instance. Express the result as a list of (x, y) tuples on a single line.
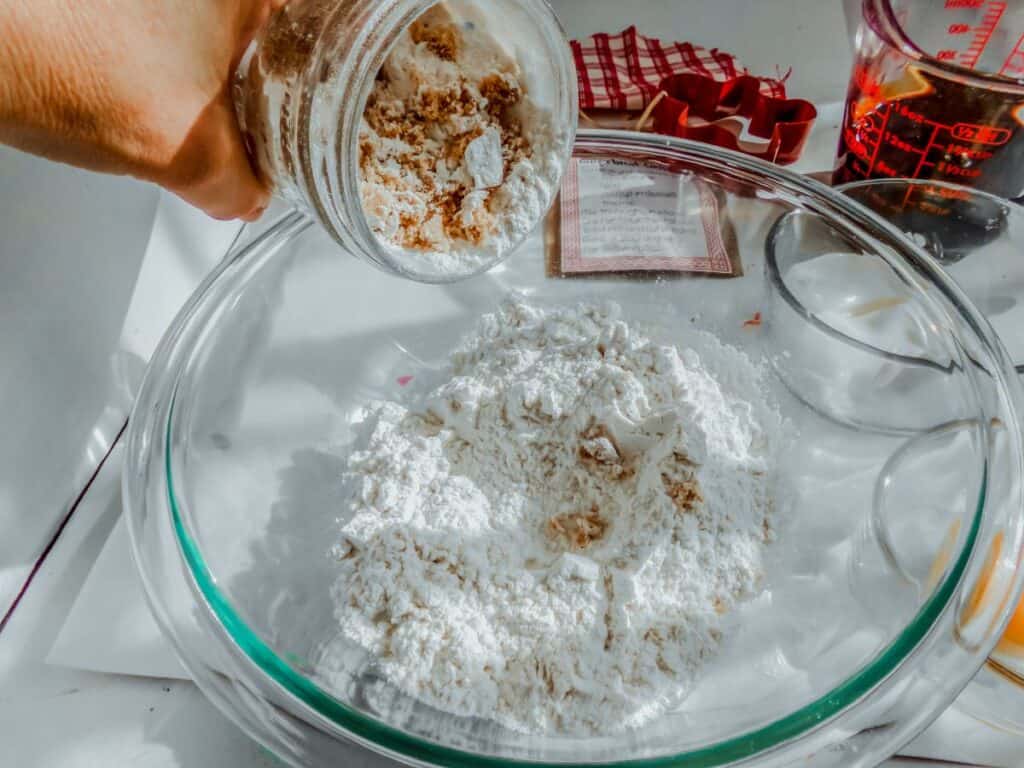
[(212, 170)]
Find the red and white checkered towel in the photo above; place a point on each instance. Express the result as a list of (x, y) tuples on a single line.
[(624, 71)]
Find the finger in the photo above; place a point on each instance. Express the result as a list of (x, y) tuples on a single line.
[(212, 170)]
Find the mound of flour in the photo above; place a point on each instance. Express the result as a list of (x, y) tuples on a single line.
[(551, 537)]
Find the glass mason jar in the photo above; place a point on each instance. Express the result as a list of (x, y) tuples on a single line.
[(303, 86)]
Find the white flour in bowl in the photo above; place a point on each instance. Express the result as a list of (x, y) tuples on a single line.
[(551, 537)]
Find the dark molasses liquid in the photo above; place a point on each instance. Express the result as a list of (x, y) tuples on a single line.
[(952, 222), (921, 125)]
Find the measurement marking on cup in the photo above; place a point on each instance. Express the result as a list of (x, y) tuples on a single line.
[(965, 140), (983, 33), (927, 149), (981, 134), (1014, 64), (878, 139)]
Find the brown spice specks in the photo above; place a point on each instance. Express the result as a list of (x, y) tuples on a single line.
[(685, 494), (366, 153), (455, 149), (451, 219), (599, 451), (292, 34), (577, 529), (441, 39), (437, 105), (500, 93)]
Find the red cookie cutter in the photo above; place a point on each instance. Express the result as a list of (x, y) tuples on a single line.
[(717, 105)]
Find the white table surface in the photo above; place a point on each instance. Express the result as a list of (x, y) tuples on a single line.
[(85, 336)]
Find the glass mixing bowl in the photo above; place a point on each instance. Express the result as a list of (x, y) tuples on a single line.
[(869, 623)]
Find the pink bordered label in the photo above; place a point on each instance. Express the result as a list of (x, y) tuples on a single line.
[(622, 216)]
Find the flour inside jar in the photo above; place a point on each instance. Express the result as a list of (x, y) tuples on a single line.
[(457, 161)]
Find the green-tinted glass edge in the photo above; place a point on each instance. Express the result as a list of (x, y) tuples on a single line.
[(728, 751)]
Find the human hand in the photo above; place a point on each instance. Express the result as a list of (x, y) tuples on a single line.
[(139, 88)]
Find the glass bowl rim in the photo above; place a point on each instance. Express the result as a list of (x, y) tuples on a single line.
[(792, 726)]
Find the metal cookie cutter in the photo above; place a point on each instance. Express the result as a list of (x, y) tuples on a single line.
[(698, 107)]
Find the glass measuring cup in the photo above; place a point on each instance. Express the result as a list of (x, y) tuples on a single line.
[(937, 92)]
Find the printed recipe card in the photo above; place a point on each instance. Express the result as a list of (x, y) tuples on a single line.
[(621, 216)]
